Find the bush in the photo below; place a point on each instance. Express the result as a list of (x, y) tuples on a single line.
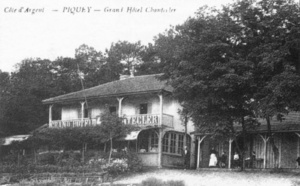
[(157, 182), (68, 158), (116, 167), (134, 163), (47, 158), (15, 158), (152, 182), (70, 162), (121, 163)]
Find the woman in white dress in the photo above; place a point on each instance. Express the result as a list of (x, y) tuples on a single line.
[(213, 160)]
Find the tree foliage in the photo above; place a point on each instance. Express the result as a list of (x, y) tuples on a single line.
[(112, 127), (235, 64), (66, 138), (34, 80), (126, 55)]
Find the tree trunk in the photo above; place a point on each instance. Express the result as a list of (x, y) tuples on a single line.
[(105, 147), (185, 132), (83, 153), (297, 61), (272, 142), (235, 141), (18, 158), (244, 143), (34, 153), (251, 153), (110, 152)]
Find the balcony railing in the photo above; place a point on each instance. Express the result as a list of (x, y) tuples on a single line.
[(149, 120), (139, 120), (74, 123)]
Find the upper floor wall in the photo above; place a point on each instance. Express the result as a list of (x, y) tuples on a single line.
[(142, 110)]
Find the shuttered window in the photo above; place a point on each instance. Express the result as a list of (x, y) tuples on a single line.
[(144, 108), (166, 142), (173, 142)]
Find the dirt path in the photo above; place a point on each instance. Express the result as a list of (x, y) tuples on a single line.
[(219, 178)]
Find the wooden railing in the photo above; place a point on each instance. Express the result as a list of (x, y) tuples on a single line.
[(74, 123), (148, 120), (139, 120)]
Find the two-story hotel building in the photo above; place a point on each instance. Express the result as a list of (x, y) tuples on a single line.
[(143, 101)]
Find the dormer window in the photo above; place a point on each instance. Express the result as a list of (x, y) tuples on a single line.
[(112, 109), (86, 113), (144, 108)]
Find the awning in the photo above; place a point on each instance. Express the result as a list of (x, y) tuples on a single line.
[(10, 139), (131, 136)]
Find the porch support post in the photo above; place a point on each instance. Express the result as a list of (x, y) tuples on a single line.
[(265, 139), (82, 110), (298, 143), (280, 143), (161, 108), (50, 114), (199, 156), (160, 131), (120, 105), (229, 153)]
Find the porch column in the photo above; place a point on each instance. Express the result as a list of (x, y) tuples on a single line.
[(160, 131), (161, 108), (82, 110), (280, 143), (265, 139), (229, 153), (120, 105), (50, 114), (298, 143), (199, 156)]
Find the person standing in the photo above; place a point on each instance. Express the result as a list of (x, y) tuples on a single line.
[(236, 160), (223, 160), (213, 159), (298, 161), (186, 156)]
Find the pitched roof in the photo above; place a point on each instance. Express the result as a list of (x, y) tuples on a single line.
[(290, 123), (129, 86), (10, 139)]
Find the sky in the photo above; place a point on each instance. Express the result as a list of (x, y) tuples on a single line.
[(48, 29)]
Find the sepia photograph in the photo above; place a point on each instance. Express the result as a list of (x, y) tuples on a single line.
[(150, 93)]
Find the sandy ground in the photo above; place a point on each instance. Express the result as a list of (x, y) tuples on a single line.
[(216, 178)]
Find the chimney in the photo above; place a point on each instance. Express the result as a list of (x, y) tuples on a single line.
[(132, 71), (122, 77)]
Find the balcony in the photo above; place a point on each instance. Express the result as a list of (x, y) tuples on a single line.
[(141, 120), (74, 123)]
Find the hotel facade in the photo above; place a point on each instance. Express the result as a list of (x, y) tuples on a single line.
[(143, 101), (148, 103)]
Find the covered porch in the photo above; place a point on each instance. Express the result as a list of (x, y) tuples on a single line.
[(258, 149), (157, 147), (146, 110)]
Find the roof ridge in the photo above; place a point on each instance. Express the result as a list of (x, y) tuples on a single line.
[(116, 81), (97, 86)]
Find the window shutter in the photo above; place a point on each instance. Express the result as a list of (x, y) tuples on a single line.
[(137, 109), (149, 108)]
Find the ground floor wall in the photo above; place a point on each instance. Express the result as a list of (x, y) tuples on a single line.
[(288, 147), (206, 146), (170, 160), (287, 143), (147, 145), (149, 159)]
